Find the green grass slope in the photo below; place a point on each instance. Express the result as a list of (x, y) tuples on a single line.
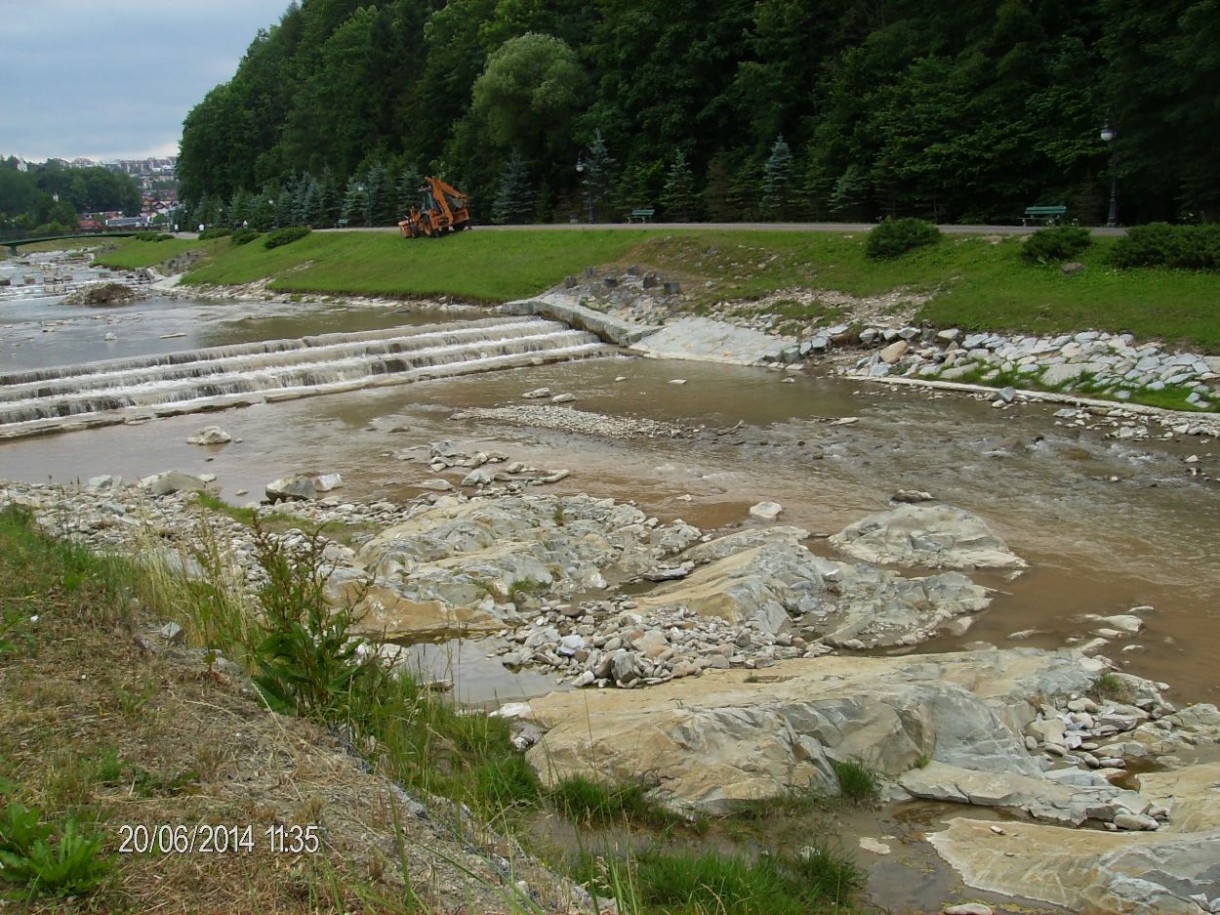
[(972, 282)]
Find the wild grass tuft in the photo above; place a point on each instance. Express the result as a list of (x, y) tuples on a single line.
[(682, 881), (1113, 687), (43, 570), (858, 783), (585, 801)]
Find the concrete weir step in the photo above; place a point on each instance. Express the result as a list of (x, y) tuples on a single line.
[(117, 391)]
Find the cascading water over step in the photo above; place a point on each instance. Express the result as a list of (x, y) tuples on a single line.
[(122, 390)]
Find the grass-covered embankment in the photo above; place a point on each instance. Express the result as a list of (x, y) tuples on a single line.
[(973, 282)]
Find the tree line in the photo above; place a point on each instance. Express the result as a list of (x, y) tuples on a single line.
[(48, 198), (550, 110)]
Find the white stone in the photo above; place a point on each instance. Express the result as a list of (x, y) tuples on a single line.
[(766, 511)]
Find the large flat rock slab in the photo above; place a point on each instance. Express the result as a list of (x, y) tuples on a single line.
[(1086, 870), (713, 341), (731, 736)]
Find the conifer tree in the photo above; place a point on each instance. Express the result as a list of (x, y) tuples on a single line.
[(598, 171), (777, 182), (355, 203), (514, 201), (679, 199)]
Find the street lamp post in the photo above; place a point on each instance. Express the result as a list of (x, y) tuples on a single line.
[(581, 166), (1108, 136)]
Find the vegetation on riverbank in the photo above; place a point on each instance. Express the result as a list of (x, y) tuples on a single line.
[(966, 281), (108, 728)]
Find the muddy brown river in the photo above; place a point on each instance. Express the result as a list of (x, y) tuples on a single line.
[(1105, 525)]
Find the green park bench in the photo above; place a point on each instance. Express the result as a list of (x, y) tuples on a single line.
[(644, 214), (1047, 216)]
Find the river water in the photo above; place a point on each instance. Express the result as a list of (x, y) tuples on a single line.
[(1105, 525)]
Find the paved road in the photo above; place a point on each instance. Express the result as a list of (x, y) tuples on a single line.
[(843, 227), (793, 227)]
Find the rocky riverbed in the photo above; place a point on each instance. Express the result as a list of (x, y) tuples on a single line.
[(730, 666)]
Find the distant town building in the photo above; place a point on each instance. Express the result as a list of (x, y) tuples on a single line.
[(129, 222)]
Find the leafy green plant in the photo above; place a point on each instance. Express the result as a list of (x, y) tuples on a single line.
[(285, 236), (896, 237), (245, 236), (20, 828), (309, 657), (70, 866), (217, 232), (1057, 243), (857, 782)]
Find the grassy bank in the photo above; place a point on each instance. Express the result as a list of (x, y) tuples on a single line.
[(972, 282), (105, 728)]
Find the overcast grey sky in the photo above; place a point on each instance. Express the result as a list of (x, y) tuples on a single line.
[(113, 79)]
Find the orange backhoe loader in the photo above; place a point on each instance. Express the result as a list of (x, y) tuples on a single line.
[(441, 209)]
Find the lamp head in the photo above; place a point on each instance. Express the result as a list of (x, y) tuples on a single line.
[(1108, 133)]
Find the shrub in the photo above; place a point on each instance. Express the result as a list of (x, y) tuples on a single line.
[(1160, 244), (217, 232), (245, 236), (285, 236), (153, 236), (1113, 687), (1059, 243), (895, 237)]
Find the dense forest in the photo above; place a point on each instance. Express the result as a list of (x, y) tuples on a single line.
[(49, 197), (717, 110)]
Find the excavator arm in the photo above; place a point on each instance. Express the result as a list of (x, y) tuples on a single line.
[(442, 209)]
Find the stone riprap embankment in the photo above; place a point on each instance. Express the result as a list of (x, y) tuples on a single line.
[(649, 318), (1088, 362)]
